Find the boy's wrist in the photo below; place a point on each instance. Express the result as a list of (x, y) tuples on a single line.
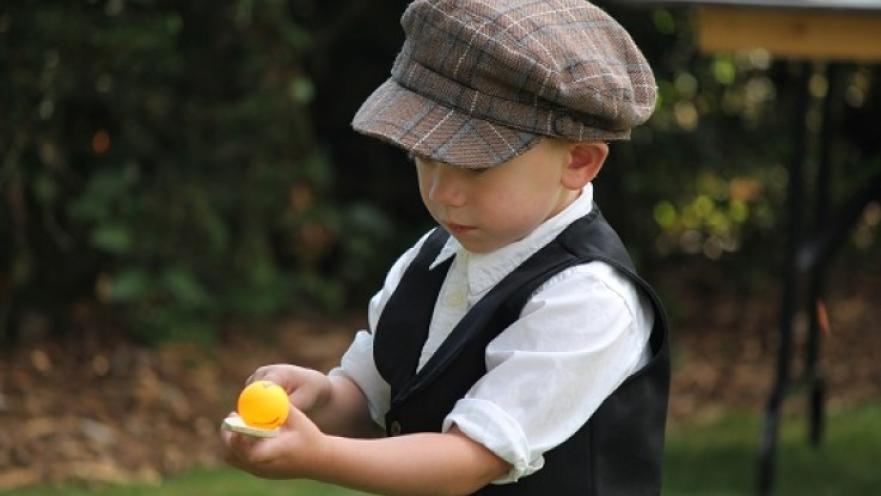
[(323, 461), (340, 408), (325, 394)]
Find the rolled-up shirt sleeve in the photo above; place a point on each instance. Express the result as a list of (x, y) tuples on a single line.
[(578, 338), (487, 423), (357, 364)]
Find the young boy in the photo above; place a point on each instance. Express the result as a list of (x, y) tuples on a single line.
[(512, 350)]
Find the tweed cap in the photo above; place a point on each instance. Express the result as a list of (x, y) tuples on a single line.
[(478, 82)]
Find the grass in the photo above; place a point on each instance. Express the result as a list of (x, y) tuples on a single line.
[(721, 459), (717, 459), (216, 482)]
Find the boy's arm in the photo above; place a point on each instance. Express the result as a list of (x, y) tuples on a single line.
[(359, 391), (413, 464), (345, 413)]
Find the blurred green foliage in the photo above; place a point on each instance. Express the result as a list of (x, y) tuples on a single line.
[(158, 158), (708, 175), (188, 163)]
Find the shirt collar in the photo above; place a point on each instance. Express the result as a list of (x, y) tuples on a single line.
[(485, 270)]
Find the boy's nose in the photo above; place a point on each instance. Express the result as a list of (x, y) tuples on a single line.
[(446, 186)]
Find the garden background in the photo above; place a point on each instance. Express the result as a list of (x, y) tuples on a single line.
[(182, 199)]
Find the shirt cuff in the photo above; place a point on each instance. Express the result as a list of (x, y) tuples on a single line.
[(486, 423)]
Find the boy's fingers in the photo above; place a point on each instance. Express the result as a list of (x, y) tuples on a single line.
[(267, 449), (259, 374), (295, 418), (284, 376), (231, 450), (247, 451), (299, 416), (302, 398), (241, 442), (237, 446)]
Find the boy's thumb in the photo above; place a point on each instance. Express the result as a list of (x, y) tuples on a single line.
[(296, 417)]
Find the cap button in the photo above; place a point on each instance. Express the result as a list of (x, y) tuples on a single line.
[(395, 428), (558, 124)]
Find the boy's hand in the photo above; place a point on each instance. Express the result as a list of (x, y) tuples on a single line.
[(334, 404), (293, 453), (308, 389)]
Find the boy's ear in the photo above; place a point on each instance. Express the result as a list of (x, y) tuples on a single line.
[(585, 159)]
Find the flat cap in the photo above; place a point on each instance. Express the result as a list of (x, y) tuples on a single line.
[(478, 82)]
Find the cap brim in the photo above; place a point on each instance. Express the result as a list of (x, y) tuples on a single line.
[(426, 128)]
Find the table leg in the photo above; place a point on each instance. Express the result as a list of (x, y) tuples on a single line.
[(817, 285), (794, 202)]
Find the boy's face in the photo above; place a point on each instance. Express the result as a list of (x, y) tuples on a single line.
[(486, 209)]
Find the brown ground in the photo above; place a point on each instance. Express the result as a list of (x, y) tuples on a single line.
[(91, 408)]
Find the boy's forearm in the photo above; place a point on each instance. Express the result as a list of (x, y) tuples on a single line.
[(346, 413), (415, 464)]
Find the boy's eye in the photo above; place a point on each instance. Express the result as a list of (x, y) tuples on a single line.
[(423, 162), (475, 172)]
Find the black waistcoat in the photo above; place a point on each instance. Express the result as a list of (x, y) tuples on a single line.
[(617, 452)]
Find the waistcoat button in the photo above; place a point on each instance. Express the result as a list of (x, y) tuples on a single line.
[(395, 428)]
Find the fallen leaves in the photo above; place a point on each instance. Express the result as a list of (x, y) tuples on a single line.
[(107, 411), (19, 477)]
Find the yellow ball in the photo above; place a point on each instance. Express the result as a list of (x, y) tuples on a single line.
[(263, 404)]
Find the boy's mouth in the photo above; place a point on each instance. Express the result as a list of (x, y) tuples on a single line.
[(454, 228)]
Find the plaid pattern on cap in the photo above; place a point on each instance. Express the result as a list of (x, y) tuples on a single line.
[(478, 82)]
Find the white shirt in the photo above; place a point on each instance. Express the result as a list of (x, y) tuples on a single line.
[(579, 336)]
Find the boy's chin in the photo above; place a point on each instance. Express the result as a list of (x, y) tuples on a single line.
[(478, 246)]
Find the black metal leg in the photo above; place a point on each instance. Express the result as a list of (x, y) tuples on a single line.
[(813, 375), (808, 255), (817, 285), (795, 201)]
